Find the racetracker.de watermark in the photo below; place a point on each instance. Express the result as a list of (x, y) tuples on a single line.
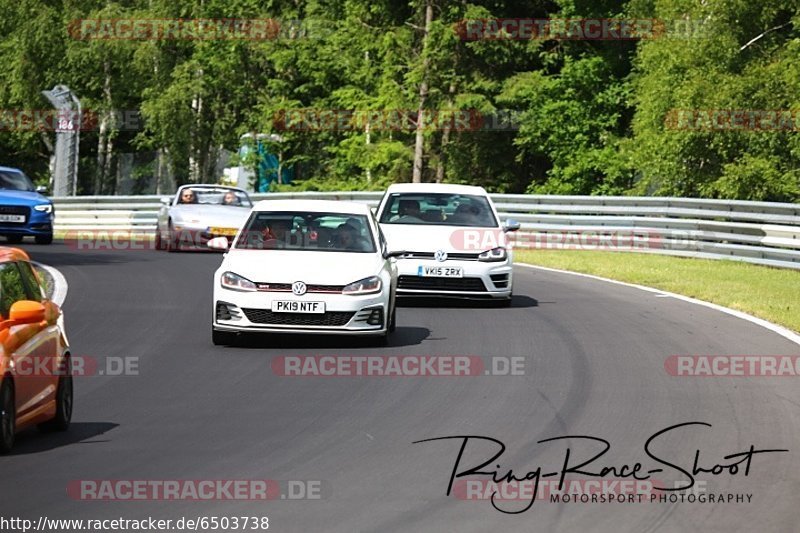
[(575, 29), (553, 490), (375, 120), (412, 366), (480, 240), (745, 120), (56, 120), (727, 366), (192, 29), (196, 489), (74, 365)]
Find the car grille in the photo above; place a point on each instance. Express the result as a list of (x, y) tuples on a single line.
[(265, 316), (440, 284), (15, 210), (287, 287), (455, 256)]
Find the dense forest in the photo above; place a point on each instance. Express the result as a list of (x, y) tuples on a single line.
[(701, 99)]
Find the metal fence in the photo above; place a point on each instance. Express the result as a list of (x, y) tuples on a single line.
[(757, 232)]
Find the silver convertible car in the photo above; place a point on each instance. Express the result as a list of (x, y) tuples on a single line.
[(198, 213)]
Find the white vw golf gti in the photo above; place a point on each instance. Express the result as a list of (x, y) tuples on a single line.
[(305, 266), (455, 244)]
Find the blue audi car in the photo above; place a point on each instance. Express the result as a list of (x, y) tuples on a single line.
[(23, 209)]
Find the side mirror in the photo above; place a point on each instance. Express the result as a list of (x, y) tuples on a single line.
[(41, 189), (511, 225), (218, 243), (26, 312), (396, 253), (166, 200)]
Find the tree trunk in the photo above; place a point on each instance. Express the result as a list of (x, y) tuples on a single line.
[(419, 145), (105, 142), (445, 136)]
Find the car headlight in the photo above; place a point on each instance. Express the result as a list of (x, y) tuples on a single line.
[(44, 208), (364, 286), (495, 254), (235, 282)]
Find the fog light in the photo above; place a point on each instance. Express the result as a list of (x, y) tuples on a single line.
[(375, 317), (226, 311)]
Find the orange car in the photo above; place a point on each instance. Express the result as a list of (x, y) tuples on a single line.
[(36, 385)]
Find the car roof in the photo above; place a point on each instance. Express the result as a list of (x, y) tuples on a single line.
[(445, 188), (8, 253), (322, 206), (10, 169)]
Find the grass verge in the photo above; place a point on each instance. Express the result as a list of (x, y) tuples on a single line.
[(769, 293)]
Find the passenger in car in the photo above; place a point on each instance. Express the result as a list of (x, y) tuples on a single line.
[(464, 214), (230, 198), (277, 233)]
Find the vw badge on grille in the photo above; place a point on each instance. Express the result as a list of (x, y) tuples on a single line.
[(299, 288), (440, 255)]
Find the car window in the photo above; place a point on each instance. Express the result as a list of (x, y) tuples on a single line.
[(15, 181), (301, 230), (438, 209), (12, 288), (34, 290)]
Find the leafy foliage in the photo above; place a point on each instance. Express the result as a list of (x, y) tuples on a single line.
[(591, 117)]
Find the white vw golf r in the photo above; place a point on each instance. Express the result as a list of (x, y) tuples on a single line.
[(454, 243), (305, 266)]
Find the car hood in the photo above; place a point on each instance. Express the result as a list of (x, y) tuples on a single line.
[(11, 197), (210, 215), (429, 238), (323, 268)]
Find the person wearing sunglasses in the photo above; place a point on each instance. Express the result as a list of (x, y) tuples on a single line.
[(188, 197)]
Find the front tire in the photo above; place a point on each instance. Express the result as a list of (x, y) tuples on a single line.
[(14, 239), (159, 242), (8, 416), (44, 239), (393, 318), (172, 240), (65, 396)]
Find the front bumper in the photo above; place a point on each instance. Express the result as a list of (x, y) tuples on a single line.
[(36, 223), (344, 314), (480, 279), (188, 237)]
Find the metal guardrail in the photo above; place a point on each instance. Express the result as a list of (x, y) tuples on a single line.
[(757, 232)]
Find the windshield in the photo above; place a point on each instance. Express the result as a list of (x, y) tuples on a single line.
[(15, 181), (214, 196), (438, 209), (286, 230)]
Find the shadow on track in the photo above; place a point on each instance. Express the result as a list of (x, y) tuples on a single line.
[(518, 301), (35, 441), (403, 336)]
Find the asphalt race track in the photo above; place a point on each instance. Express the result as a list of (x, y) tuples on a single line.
[(594, 365)]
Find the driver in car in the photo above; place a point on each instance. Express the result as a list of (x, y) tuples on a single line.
[(349, 238), (408, 211), (188, 197)]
